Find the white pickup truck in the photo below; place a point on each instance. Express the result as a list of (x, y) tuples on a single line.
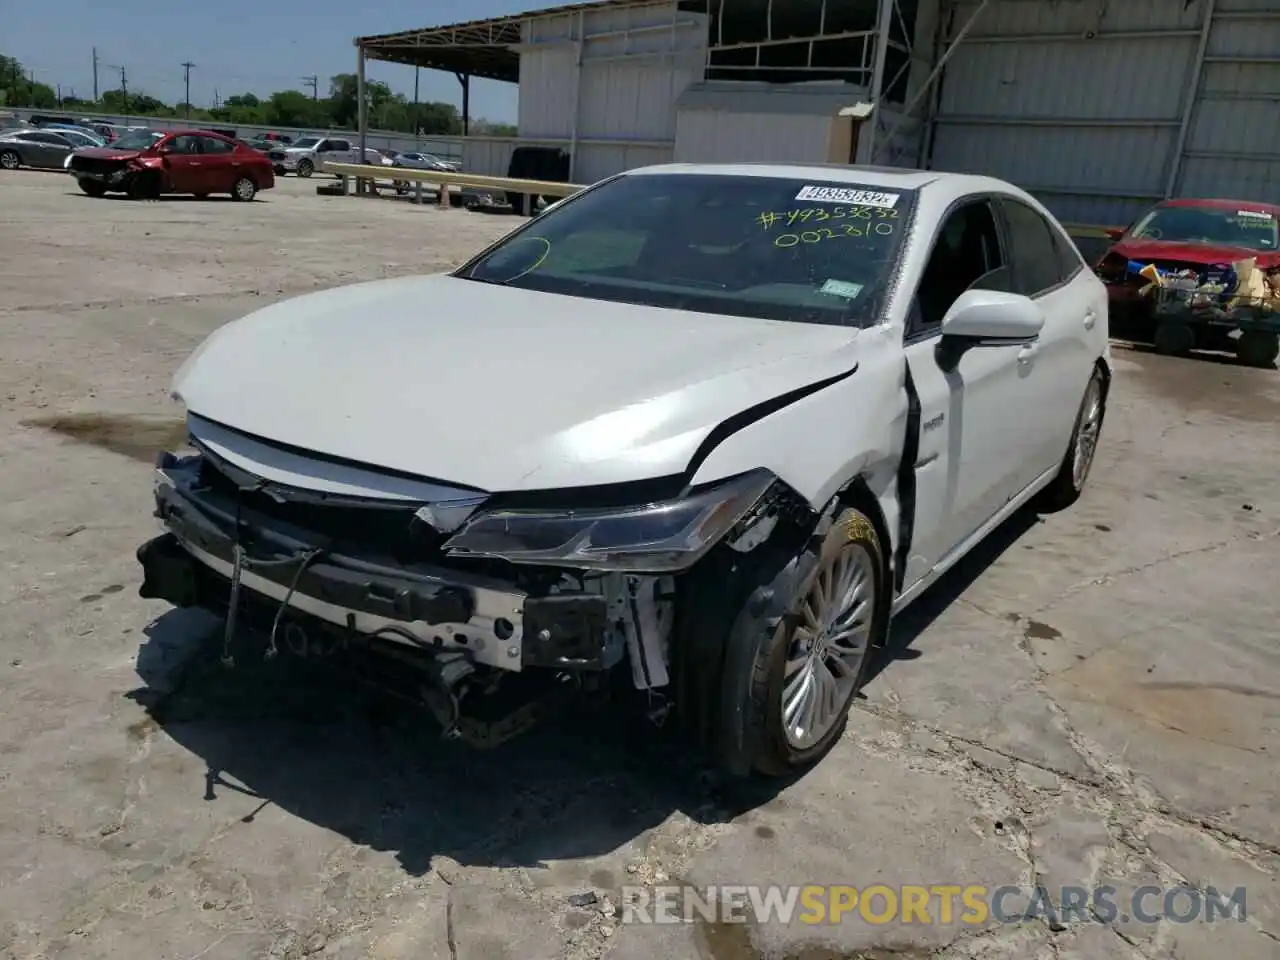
[(305, 154)]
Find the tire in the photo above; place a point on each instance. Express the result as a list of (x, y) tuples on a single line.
[(201, 196), (244, 190), (306, 168), (1258, 348), (92, 187), (9, 160), (144, 185), (1066, 487), (750, 721), (1174, 338)]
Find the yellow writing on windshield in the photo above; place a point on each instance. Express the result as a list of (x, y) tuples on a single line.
[(807, 215), (820, 234)]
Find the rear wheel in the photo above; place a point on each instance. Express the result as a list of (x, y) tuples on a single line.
[(10, 160), (92, 187), (1069, 483), (306, 168), (244, 189)]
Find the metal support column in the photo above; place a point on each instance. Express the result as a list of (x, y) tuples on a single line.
[(884, 23), (1189, 102), (464, 79), (938, 67), (362, 112), (577, 96)]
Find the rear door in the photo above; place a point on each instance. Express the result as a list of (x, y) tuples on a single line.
[(220, 166), (1059, 284), (184, 165)]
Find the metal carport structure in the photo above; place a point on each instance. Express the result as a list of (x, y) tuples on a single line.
[(1097, 106)]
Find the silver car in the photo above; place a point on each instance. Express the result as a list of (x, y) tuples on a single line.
[(43, 149)]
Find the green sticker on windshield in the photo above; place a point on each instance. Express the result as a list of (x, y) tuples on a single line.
[(841, 288)]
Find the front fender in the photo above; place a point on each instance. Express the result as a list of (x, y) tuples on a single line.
[(853, 429)]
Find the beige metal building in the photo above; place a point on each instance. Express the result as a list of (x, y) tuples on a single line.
[(1097, 106)]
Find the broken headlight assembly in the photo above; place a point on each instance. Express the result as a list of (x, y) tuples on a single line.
[(656, 538)]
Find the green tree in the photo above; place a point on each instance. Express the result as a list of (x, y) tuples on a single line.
[(289, 108), (18, 89)]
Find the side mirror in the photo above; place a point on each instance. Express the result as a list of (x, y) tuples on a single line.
[(992, 317), (1114, 233)]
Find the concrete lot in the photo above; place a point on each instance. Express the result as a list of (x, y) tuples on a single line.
[(1094, 699)]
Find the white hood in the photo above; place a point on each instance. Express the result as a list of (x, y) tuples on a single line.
[(494, 387)]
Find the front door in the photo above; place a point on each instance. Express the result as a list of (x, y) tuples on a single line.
[(972, 433)]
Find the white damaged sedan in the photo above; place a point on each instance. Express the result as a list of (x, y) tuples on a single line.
[(707, 428)]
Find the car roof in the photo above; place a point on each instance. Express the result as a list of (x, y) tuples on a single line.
[(942, 185), (1221, 204)]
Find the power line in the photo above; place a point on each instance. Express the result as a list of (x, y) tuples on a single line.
[(186, 80)]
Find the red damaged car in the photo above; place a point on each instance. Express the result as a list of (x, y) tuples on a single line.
[(148, 163), (1180, 234)]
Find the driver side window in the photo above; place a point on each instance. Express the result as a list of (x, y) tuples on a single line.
[(966, 255)]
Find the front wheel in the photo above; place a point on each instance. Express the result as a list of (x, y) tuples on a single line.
[(92, 187), (1074, 471), (1258, 348), (244, 189), (9, 160), (306, 168), (797, 651)]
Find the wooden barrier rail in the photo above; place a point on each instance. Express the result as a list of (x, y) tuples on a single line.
[(445, 179)]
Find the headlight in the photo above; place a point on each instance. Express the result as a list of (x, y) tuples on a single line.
[(656, 538)]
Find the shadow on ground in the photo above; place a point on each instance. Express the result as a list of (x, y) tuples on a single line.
[(373, 768), (295, 734), (917, 618)]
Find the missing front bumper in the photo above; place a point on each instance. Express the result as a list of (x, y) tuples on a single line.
[(495, 624)]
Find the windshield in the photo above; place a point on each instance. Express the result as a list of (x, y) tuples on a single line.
[(764, 247), (136, 140), (1253, 230), (306, 142)]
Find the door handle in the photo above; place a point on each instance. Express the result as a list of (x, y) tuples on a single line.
[(1028, 352), (1090, 318)]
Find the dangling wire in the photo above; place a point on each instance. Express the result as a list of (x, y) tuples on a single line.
[(272, 649)]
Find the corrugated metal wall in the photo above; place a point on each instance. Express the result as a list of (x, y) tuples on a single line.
[(1083, 102), (603, 83), (1232, 147)]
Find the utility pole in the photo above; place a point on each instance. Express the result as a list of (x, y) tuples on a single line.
[(313, 82), (95, 74), (186, 80), (124, 89)]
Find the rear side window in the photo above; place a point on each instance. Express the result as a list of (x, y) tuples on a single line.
[(214, 145), (1037, 262), (1069, 260)]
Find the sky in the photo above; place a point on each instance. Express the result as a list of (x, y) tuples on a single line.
[(237, 46)]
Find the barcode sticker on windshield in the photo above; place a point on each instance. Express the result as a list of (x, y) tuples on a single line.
[(860, 198), (1257, 214)]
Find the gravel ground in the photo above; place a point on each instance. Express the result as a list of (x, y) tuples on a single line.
[(1093, 698)]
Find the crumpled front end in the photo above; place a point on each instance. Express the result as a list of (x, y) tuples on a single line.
[(112, 172)]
